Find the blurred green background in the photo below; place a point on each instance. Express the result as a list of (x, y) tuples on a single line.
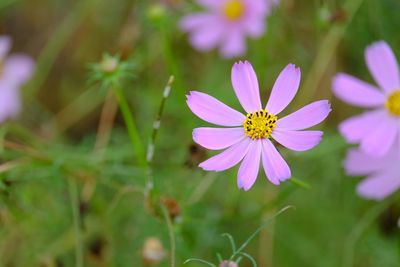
[(51, 171)]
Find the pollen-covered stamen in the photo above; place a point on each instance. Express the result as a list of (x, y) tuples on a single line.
[(233, 9), (259, 124), (393, 103)]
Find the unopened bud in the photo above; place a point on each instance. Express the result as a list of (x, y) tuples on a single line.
[(109, 64), (153, 251)]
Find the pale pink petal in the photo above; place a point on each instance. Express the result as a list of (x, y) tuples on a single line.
[(217, 138), (254, 26), (380, 185), (284, 90), (5, 46), (245, 84), (275, 167), (358, 127), (357, 92), (248, 170), (381, 137), (305, 117), (383, 66), (10, 104), (205, 30), (212, 110), (212, 4), (297, 140), (228, 158), (234, 43), (257, 8), (359, 163), (18, 69)]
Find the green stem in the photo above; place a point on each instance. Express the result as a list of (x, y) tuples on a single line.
[(171, 235), (365, 222), (130, 125), (326, 52), (59, 38), (74, 198)]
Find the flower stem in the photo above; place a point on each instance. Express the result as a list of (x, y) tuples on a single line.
[(171, 235), (74, 198), (130, 125)]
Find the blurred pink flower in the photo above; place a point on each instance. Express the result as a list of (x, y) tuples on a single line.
[(15, 70), (375, 130), (249, 135), (383, 174), (226, 23)]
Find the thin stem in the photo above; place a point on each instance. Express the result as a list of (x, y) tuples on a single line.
[(171, 235), (365, 222), (156, 126), (61, 35), (130, 125), (74, 198), (326, 51)]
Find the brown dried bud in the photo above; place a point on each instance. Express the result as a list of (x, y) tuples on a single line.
[(174, 210), (153, 251)]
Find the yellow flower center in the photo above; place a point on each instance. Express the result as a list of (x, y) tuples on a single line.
[(259, 124), (233, 9), (393, 103)]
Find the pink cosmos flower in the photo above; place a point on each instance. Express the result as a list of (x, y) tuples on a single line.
[(15, 70), (383, 174), (248, 137), (377, 129), (226, 23)]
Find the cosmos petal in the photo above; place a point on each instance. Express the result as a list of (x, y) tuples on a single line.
[(212, 110), (284, 90), (358, 127), (275, 167), (356, 92), (248, 170), (305, 117), (245, 85), (381, 137), (383, 66), (359, 163), (297, 140), (379, 185), (217, 138), (228, 158)]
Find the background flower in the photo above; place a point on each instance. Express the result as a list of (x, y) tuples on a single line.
[(383, 174), (249, 139), (226, 23), (374, 130), (15, 70)]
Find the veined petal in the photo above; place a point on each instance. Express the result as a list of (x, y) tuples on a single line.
[(357, 92), (275, 167), (356, 128), (228, 158), (381, 137), (5, 46), (217, 138), (248, 170), (359, 163), (379, 185), (297, 140), (383, 66), (284, 90), (212, 110), (245, 84), (305, 117)]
